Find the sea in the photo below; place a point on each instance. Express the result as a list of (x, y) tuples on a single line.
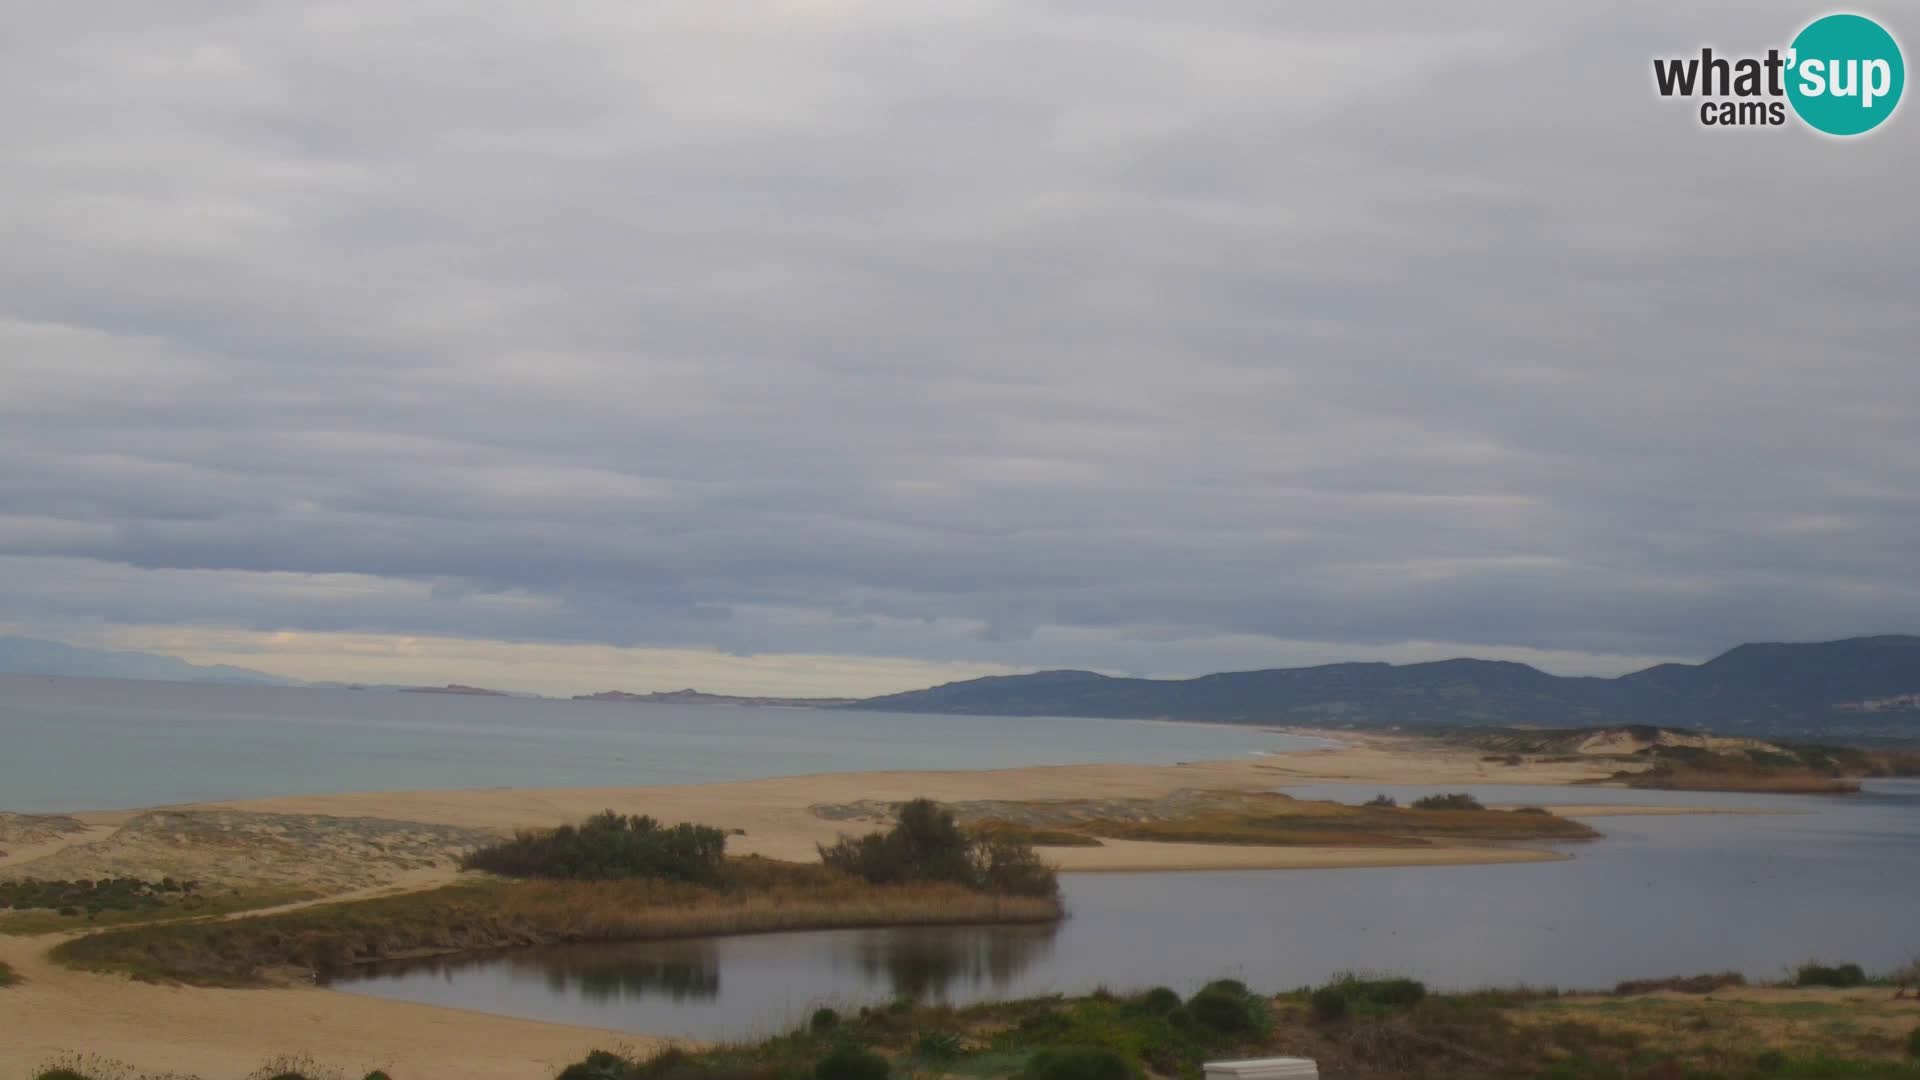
[(86, 744)]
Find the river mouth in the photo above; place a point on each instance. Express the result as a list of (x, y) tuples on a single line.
[(1659, 895)]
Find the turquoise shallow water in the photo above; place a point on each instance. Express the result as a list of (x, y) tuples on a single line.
[(82, 744)]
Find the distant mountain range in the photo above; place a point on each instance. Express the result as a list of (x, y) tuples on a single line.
[(32, 656), (1860, 688), (1866, 686)]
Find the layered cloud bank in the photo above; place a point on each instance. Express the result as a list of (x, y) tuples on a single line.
[(966, 336)]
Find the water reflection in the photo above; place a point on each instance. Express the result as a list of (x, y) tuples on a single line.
[(723, 987), (934, 964), (678, 971)]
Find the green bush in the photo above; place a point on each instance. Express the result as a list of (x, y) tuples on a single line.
[(606, 847), (1770, 1061), (1078, 1063), (1386, 992), (1159, 1001), (1382, 802), (60, 1074), (851, 1063), (1913, 1044), (926, 844), (937, 1045), (377, 1074), (1842, 975), (598, 1065), (1455, 801), (1231, 986), (823, 1021), (1219, 1008), (1328, 1003)]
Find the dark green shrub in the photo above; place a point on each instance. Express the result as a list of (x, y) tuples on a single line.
[(377, 1074), (937, 1045), (1842, 975), (927, 844), (1328, 1003), (1383, 802), (1770, 1061), (851, 1063), (1159, 1001), (823, 1021), (1231, 986), (1455, 801), (1078, 1063), (598, 1065), (1386, 993), (1531, 810), (1219, 1008), (606, 847), (1913, 1043), (60, 1074)]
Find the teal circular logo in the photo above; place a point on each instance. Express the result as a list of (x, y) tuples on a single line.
[(1846, 74)]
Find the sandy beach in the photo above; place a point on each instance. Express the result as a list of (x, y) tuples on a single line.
[(216, 1033)]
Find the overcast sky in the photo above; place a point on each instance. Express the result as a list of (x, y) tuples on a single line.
[(830, 346)]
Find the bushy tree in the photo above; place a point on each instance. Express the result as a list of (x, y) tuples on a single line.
[(927, 844), (609, 846)]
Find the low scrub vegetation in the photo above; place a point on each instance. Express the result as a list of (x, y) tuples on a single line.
[(753, 895), (998, 829), (93, 897), (1375, 1027), (1682, 984), (609, 847), (927, 845), (285, 1067), (1455, 801), (1381, 1027), (1840, 975), (7, 976)]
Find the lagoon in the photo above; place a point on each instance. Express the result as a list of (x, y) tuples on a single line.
[(1833, 878)]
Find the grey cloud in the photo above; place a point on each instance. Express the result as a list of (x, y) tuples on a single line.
[(1035, 333)]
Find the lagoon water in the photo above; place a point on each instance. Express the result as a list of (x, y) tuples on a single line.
[(85, 744), (1833, 878)]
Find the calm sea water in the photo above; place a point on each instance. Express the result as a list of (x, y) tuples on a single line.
[(81, 744), (1834, 879)]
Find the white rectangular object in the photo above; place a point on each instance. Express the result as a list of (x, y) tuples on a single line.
[(1286, 1068)]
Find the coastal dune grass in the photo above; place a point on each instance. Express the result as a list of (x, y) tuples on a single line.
[(612, 878), (331, 938)]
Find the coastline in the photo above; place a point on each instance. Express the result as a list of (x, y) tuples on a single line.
[(214, 1032)]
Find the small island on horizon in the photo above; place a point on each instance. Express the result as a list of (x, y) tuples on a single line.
[(691, 696)]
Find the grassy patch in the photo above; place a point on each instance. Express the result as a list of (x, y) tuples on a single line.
[(1279, 820), (1036, 837), (206, 904), (1387, 1028), (758, 895)]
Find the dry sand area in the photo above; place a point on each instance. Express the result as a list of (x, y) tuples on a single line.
[(367, 843)]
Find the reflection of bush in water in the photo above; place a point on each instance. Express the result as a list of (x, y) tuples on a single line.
[(682, 971), (927, 962), (688, 971)]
